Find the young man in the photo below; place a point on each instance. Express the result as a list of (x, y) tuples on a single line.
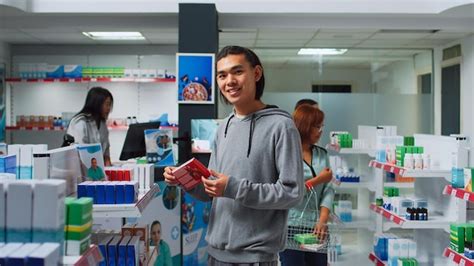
[(256, 166)]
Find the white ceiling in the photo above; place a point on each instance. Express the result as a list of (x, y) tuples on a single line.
[(276, 38)]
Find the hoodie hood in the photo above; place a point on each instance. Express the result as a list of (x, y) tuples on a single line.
[(253, 118)]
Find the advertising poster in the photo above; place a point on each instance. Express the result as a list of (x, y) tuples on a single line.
[(195, 217), (162, 217), (195, 78), (92, 161), (3, 118)]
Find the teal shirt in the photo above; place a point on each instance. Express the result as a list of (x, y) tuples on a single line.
[(95, 174), (307, 212), (164, 255)]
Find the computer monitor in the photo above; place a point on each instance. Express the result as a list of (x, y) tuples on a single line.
[(134, 145)]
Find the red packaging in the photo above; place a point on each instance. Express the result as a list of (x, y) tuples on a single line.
[(113, 175), (119, 175), (126, 176), (189, 174), (108, 174)]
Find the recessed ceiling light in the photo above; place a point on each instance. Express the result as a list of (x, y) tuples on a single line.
[(321, 51), (114, 35)]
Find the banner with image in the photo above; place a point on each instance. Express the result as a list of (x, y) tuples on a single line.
[(195, 78)]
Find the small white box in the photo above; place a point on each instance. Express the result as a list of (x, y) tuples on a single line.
[(14, 149), (19, 204), (46, 254), (7, 250), (412, 249), (26, 155), (149, 176), (48, 204), (3, 184), (41, 165), (20, 256)]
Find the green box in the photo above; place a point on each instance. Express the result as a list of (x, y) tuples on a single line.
[(306, 238), (79, 235), (79, 211)]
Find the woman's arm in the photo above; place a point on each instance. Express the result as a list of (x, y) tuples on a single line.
[(325, 176)]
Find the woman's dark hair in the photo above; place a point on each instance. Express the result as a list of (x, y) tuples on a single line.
[(305, 101), (252, 58), (155, 222), (306, 117), (94, 100)]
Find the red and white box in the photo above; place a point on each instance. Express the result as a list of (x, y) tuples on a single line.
[(189, 174)]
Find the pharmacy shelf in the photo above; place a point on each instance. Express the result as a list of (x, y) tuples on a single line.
[(91, 257), (85, 80), (114, 128), (35, 128), (376, 260), (126, 210), (458, 193), (407, 185), (404, 172), (336, 148), (358, 223), (433, 222), (457, 258)]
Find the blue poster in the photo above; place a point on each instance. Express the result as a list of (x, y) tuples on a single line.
[(195, 78), (162, 216), (3, 118), (195, 217)]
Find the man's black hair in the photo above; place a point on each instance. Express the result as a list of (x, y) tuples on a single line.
[(252, 58)]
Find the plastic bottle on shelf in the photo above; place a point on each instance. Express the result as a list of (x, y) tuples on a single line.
[(418, 161), (134, 120), (60, 122), (426, 161), (408, 161), (129, 120)]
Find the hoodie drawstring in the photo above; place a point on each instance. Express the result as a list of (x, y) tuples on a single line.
[(227, 125), (252, 125)]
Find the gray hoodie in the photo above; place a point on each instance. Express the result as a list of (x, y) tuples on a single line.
[(261, 154)]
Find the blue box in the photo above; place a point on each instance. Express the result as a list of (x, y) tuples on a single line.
[(122, 251), (72, 71), (82, 189), (55, 71), (130, 192), (103, 249), (110, 193), (90, 189), (112, 251), (119, 193), (133, 251), (100, 193)]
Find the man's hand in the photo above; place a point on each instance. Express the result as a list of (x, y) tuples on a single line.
[(169, 177), (215, 187)]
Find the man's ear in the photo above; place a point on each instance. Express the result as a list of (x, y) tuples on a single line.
[(258, 70)]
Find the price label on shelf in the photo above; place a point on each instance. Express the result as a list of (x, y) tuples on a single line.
[(466, 196), (462, 262), (401, 172), (391, 169), (453, 192), (451, 256), (392, 217)]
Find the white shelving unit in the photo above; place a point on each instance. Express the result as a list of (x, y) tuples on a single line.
[(126, 210), (145, 98), (432, 236)]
